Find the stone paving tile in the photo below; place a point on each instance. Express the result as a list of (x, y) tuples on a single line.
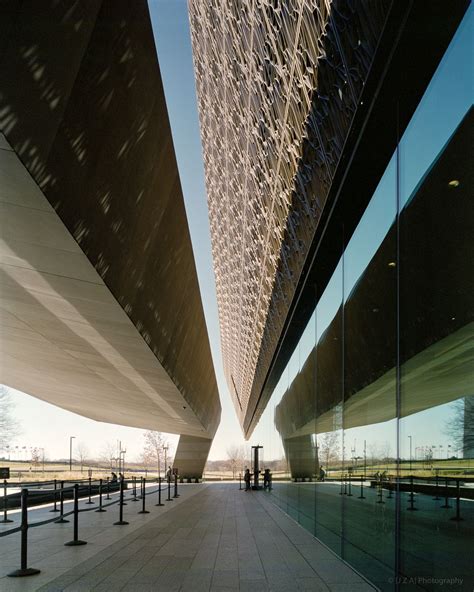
[(218, 540)]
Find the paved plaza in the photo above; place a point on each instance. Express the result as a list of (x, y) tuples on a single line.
[(212, 538)]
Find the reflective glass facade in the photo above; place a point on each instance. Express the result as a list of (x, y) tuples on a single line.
[(373, 417)]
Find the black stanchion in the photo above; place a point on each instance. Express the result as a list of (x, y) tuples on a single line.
[(411, 507), (159, 493), (446, 495), (436, 497), (24, 569), (101, 509), (350, 486), (61, 519), (361, 496), (240, 481), (107, 497), (55, 508), (90, 492), (169, 489), (341, 492), (121, 521), (345, 484), (5, 518), (143, 511), (380, 500), (176, 494), (134, 498), (457, 518), (75, 541), (390, 491)]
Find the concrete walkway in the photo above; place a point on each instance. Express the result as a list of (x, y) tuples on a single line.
[(213, 538)]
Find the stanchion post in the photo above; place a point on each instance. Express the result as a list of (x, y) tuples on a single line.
[(134, 498), (159, 493), (5, 504), (411, 507), (380, 500), (169, 489), (350, 486), (90, 492), (361, 496), (121, 521), (61, 519), (390, 492), (107, 497), (436, 497), (55, 508), (143, 511), (342, 478), (457, 518), (446, 495), (24, 569), (176, 494), (240, 481), (100, 509), (75, 541)]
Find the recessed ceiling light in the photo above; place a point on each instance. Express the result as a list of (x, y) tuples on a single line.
[(392, 264), (454, 183)]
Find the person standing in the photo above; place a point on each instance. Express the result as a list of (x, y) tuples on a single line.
[(247, 477), (266, 479)]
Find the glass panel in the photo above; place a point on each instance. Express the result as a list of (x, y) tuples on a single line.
[(436, 328), (370, 393), (448, 98), (329, 411)]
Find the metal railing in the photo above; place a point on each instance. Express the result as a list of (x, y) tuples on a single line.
[(74, 491)]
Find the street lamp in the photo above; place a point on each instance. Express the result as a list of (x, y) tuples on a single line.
[(165, 448), (410, 451), (70, 452), (123, 460)]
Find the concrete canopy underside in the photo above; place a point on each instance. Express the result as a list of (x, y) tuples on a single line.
[(65, 339), (101, 308)]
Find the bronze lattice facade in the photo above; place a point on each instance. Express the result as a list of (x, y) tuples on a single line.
[(278, 86)]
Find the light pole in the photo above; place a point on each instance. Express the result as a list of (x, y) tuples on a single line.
[(365, 459), (123, 460), (71, 438), (410, 451), (42, 451), (165, 449)]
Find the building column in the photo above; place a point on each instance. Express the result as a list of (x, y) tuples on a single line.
[(191, 456), (302, 457)]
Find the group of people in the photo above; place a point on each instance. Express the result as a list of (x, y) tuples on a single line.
[(267, 479)]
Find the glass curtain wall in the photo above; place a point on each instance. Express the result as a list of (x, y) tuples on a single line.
[(371, 427)]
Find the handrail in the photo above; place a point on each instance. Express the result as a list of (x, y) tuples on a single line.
[(72, 488)]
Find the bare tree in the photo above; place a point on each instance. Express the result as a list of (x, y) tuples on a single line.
[(35, 456), (236, 456), (153, 449), (9, 426), (82, 452), (328, 447), (459, 427), (108, 454)]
